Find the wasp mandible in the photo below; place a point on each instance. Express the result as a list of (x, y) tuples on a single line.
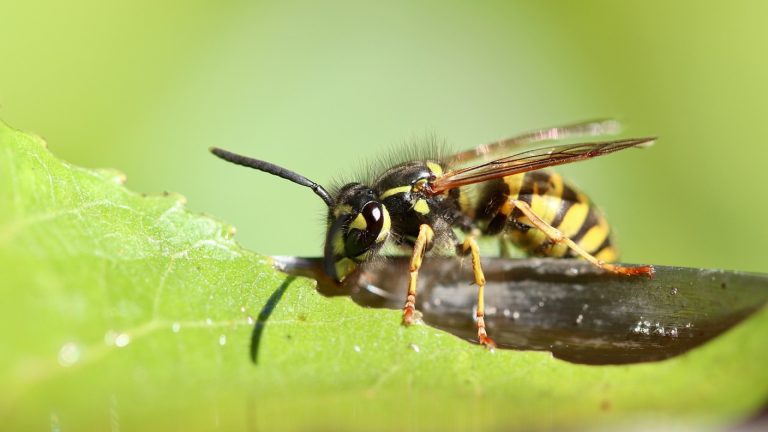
[(420, 203)]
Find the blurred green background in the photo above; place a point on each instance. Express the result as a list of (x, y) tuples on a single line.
[(146, 87)]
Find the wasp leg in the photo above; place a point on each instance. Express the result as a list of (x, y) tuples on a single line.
[(419, 247), (558, 237), (470, 245)]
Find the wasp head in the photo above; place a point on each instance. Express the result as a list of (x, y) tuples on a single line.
[(358, 225)]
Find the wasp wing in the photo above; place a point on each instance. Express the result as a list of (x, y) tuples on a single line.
[(582, 129), (531, 160)]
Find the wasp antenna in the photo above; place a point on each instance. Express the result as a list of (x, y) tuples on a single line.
[(274, 170)]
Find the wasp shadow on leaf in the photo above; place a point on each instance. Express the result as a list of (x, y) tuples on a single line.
[(264, 314)]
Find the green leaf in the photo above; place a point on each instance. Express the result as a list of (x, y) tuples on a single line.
[(127, 312)]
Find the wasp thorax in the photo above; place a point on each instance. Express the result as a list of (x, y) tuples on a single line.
[(358, 225)]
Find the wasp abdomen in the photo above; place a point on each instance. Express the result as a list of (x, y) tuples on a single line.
[(557, 203)]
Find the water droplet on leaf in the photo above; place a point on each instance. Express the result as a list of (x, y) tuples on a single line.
[(122, 340), (69, 354)]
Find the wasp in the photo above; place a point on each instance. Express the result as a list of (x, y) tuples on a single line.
[(442, 205)]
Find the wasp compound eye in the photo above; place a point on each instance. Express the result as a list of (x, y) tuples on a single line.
[(365, 230), (374, 217)]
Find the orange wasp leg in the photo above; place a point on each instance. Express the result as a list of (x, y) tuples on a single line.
[(470, 245), (419, 247), (558, 237)]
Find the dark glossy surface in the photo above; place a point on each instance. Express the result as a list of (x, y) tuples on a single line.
[(567, 307)]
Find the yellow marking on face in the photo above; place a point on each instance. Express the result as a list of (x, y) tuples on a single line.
[(421, 206), (594, 237), (396, 190), (609, 254), (385, 227), (344, 267), (358, 223), (575, 217), (436, 169), (341, 209), (338, 244)]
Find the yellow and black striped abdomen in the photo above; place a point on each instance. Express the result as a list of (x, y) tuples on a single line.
[(557, 203)]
